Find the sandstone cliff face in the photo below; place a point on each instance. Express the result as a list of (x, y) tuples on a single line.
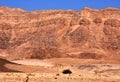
[(57, 33)]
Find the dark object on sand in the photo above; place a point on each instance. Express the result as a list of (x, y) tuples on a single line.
[(67, 71)]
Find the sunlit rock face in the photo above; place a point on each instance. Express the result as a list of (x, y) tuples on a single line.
[(90, 33)]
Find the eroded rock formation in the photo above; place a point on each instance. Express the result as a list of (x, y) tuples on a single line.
[(59, 33)]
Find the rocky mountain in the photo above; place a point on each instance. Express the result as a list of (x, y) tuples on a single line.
[(85, 34)]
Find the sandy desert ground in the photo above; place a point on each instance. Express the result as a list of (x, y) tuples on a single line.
[(51, 70)]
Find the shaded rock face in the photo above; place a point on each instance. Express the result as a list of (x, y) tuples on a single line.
[(59, 33)]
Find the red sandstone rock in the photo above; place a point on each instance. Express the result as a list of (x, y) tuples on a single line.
[(59, 33)]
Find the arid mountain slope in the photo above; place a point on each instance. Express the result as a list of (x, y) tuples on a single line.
[(88, 34)]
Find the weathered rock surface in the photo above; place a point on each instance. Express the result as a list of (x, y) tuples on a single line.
[(88, 34)]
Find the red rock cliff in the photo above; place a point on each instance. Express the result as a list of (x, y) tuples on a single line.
[(87, 34)]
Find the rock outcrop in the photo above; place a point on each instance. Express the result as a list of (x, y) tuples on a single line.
[(44, 34)]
